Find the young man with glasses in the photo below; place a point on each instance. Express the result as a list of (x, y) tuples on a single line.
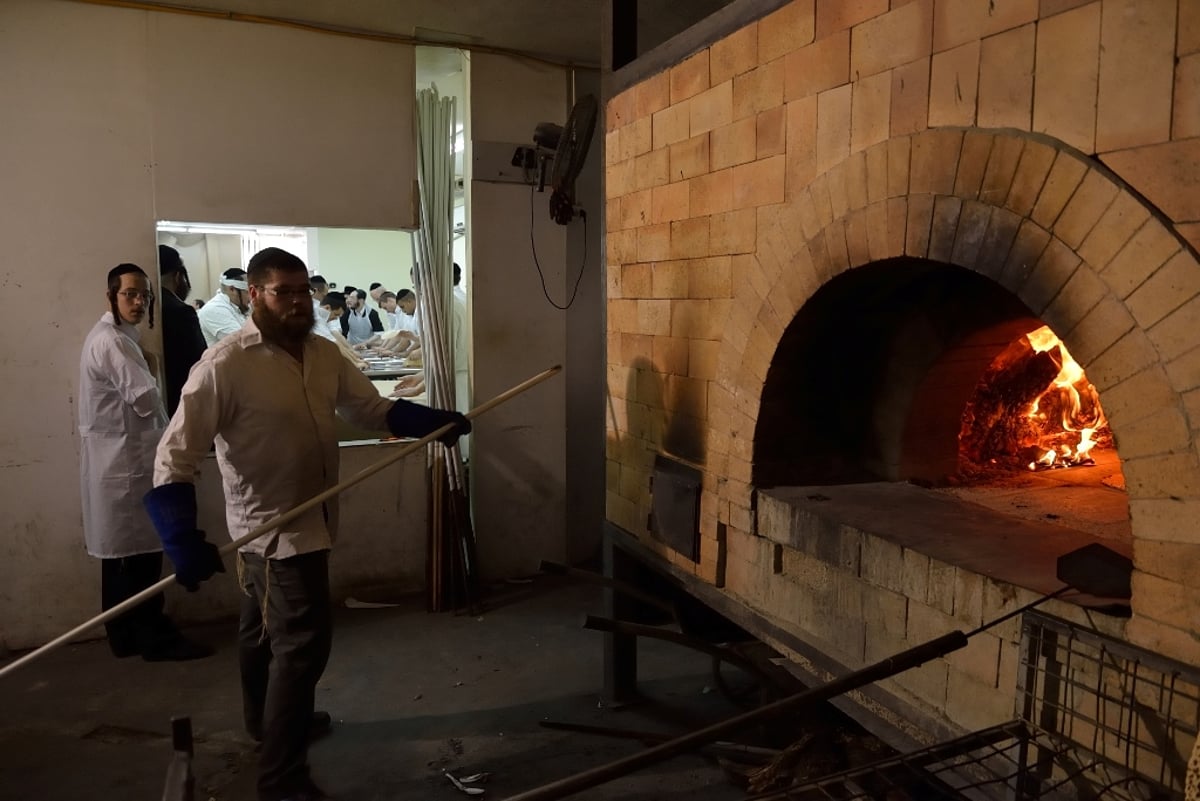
[(121, 419), (268, 396)]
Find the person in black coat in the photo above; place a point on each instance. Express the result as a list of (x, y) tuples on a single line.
[(183, 341)]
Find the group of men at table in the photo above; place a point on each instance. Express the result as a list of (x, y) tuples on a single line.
[(391, 329), (345, 319)]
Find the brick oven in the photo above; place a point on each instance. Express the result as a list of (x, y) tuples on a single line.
[(823, 229)]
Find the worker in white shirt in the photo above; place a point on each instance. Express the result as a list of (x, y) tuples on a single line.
[(318, 286), (268, 396), (327, 325), (227, 311), (376, 292), (405, 311), (326, 315), (121, 418), (391, 312)]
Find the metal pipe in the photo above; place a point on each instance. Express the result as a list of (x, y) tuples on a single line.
[(277, 521), (883, 669), (860, 678), (558, 569), (611, 626)]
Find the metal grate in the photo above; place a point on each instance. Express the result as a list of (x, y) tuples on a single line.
[(1129, 709), (1099, 719)]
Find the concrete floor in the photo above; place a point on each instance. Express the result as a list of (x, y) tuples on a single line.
[(411, 695)]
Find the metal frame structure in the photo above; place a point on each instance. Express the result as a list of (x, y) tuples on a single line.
[(1097, 719)]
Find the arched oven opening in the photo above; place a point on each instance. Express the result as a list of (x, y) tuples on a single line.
[(907, 370)]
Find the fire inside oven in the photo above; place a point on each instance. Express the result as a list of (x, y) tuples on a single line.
[(911, 370), (1034, 409)]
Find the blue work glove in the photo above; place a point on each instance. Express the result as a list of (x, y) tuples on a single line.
[(407, 419), (172, 509)]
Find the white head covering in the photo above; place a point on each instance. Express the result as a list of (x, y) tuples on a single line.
[(234, 283)]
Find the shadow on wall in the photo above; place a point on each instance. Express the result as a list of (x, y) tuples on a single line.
[(663, 414), (527, 532), (672, 410)]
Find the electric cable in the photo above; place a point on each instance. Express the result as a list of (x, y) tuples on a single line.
[(537, 264)]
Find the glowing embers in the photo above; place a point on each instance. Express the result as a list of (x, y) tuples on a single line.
[(1033, 409)]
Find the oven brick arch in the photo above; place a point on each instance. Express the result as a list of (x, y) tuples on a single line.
[(744, 178), (1130, 320)]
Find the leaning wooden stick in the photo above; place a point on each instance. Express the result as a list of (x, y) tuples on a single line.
[(280, 520)]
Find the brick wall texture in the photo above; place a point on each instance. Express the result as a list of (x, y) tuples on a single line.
[(814, 141)]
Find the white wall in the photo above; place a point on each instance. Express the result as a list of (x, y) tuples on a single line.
[(270, 125), (358, 258), (518, 470), (113, 119)]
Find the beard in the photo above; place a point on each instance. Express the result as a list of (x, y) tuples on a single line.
[(290, 328)]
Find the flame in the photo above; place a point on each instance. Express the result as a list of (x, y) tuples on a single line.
[(1068, 441)]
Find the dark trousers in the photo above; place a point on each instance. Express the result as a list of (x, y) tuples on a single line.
[(289, 598), (144, 628)]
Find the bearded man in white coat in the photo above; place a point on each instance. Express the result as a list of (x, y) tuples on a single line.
[(121, 419)]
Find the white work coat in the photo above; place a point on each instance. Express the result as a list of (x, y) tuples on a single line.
[(121, 419)]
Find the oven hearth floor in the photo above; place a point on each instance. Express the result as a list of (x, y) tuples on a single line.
[(981, 535), (1090, 498)]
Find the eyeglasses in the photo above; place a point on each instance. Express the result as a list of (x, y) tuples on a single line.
[(286, 292), (132, 294)]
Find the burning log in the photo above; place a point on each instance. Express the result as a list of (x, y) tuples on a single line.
[(1035, 408), (995, 425)]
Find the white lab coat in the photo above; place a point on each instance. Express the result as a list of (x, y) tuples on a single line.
[(121, 419)]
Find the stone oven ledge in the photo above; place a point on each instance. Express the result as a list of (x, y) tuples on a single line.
[(844, 576), (841, 525)]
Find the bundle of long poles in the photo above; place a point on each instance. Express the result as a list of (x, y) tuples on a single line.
[(451, 547), (277, 521)]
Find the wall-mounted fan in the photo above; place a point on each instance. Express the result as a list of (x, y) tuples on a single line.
[(570, 145)]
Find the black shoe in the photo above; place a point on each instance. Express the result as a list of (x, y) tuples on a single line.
[(181, 649), (320, 726)]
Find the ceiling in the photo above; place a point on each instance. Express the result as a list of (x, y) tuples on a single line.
[(562, 30)]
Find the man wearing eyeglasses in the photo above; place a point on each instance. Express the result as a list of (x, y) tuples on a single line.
[(121, 419), (268, 396)]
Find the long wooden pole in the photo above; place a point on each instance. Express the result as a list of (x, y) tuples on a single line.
[(279, 520)]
